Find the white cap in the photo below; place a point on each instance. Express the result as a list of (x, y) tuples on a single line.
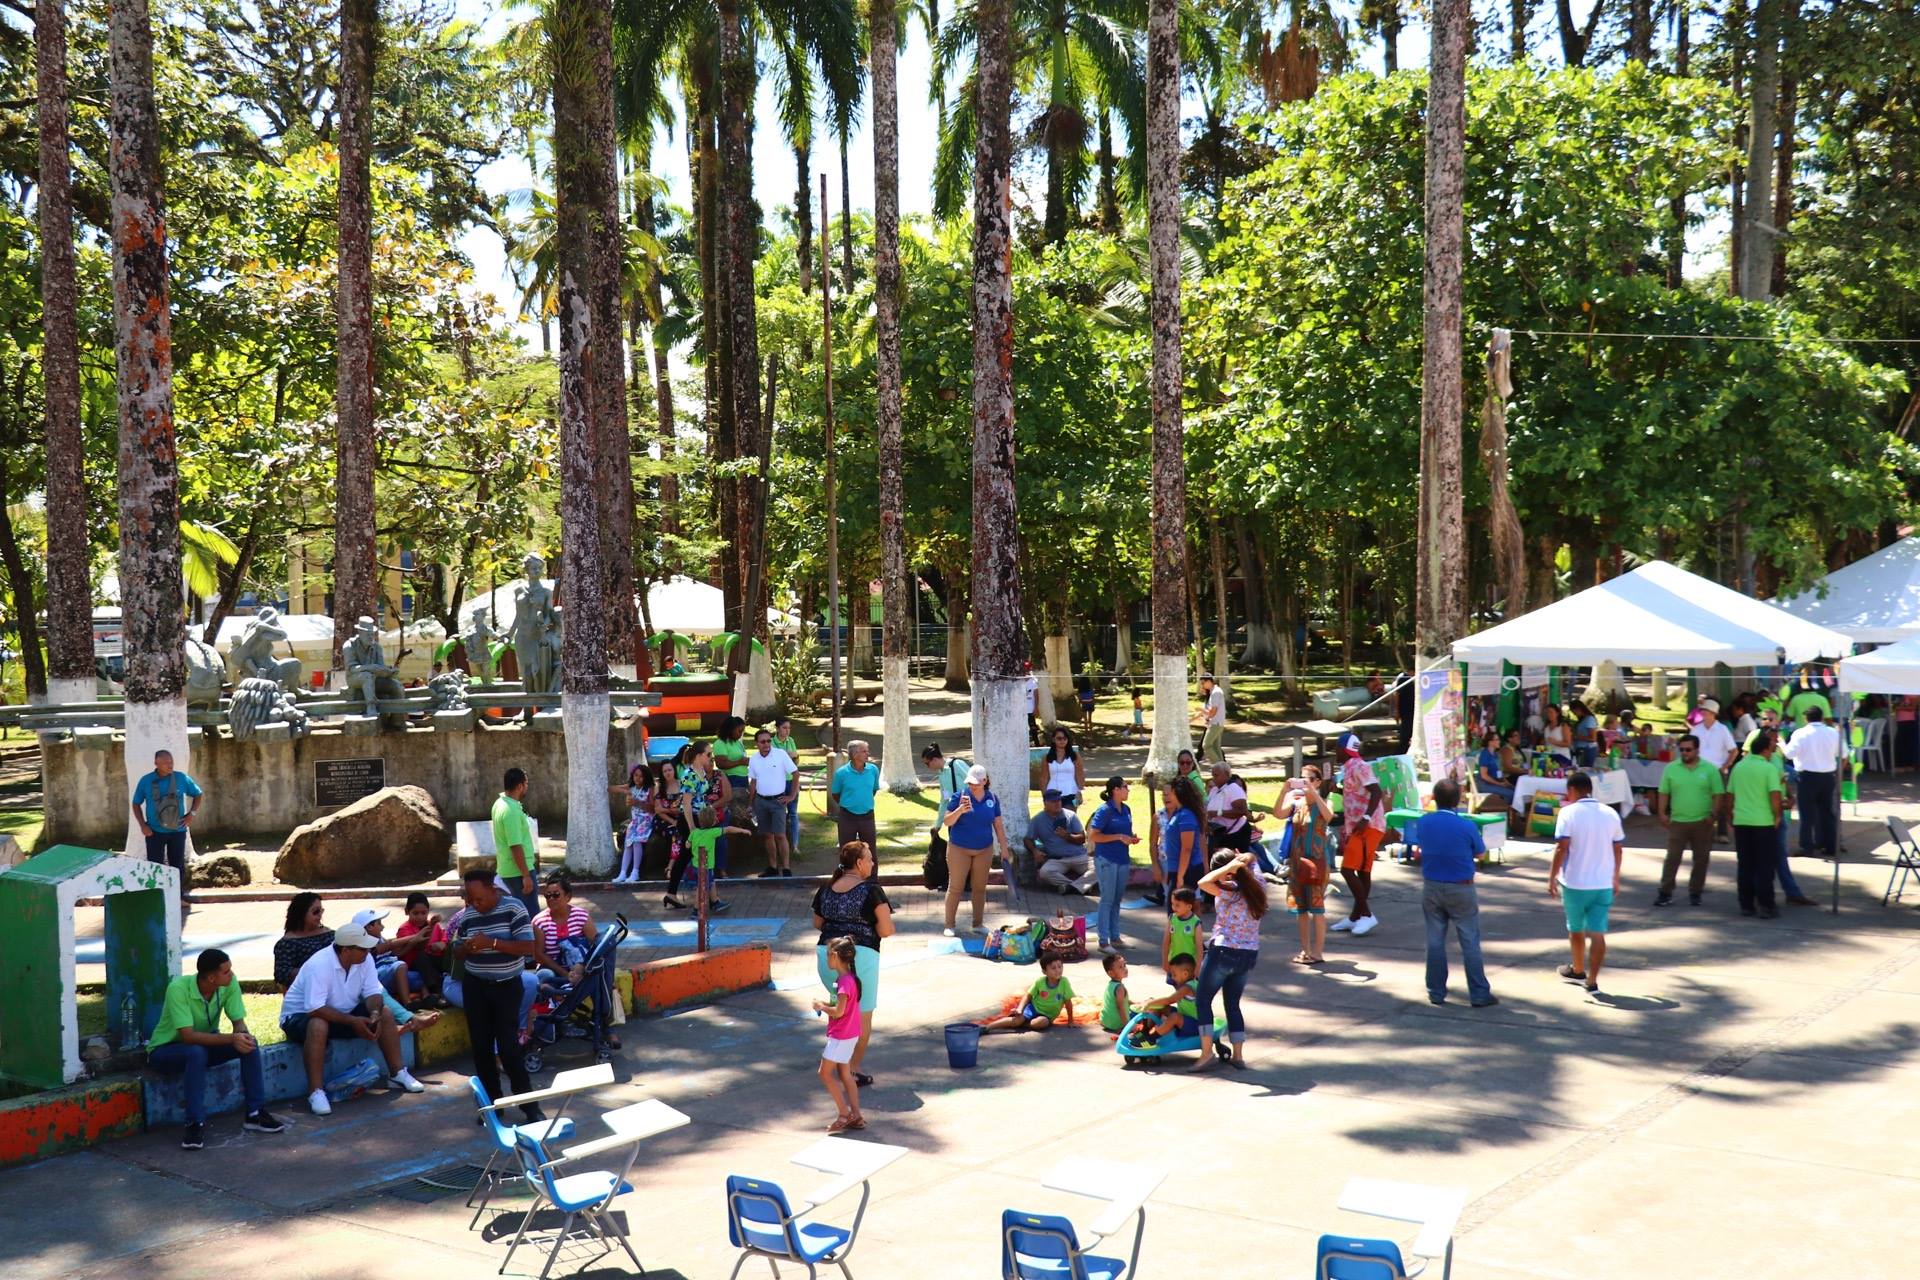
[(1710, 704), (977, 776), (352, 935), (361, 919)]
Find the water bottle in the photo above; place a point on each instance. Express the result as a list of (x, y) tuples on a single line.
[(129, 1029)]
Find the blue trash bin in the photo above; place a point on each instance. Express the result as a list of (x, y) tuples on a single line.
[(963, 1045)]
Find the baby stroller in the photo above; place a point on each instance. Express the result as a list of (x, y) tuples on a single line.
[(582, 1010)]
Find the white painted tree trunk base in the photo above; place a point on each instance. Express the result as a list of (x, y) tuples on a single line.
[(1042, 701), (583, 718), (762, 702), (1172, 727), (1000, 744), (624, 671), (1059, 651), (1261, 651), (897, 773), (151, 727), (74, 689)]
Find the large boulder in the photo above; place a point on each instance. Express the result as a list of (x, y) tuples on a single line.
[(218, 871), (395, 835)]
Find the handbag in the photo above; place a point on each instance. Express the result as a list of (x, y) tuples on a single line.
[(933, 869), (1017, 944), (1065, 939)]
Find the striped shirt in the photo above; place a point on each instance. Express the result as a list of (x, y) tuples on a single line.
[(550, 933), (507, 922)]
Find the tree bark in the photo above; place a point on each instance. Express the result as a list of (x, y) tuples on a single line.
[(1440, 587), (959, 634), (803, 221), (354, 556), (1260, 647), (1677, 207), (153, 629), (1223, 623), (1122, 635), (607, 357), (577, 207), (1575, 40), (896, 757), (1783, 178), (69, 585), (20, 585), (1171, 731), (1391, 25), (846, 222), (1504, 531), (740, 222), (1520, 13), (999, 685), (662, 389), (1756, 242), (1640, 31), (1109, 194)]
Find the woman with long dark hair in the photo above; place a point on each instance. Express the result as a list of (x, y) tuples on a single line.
[(305, 936), (1066, 772), (1183, 845), (853, 906), (1240, 899)]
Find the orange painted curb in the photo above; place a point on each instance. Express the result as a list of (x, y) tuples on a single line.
[(662, 984), (56, 1120)]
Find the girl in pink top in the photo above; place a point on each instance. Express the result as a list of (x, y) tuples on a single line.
[(843, 1034)]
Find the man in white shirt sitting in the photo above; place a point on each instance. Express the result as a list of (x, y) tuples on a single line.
[(1588, 844), (1815, 750), (337, 993)]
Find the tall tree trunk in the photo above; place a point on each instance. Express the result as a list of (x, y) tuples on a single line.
[(1259, 651), (1640, 31), (20, 585), (1053, 229), (355, 567), (803, 219), (1223, 622), (1109, 194), (718, 407), (1677, 207), (1520, 14), (846, 221), (1392, 23), (578, 205), (1171, 731), (1508, 539), (69, 586), (740, 221), (663, 394), (999, 686), (607, 357), (1783, 179), (1440, 589), (959, 634), (1576, 40), (1122, 635), (153, 629), (1756, 242), (896, 757)]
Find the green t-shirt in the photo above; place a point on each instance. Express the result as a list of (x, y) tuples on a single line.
[(1798, 704), (1048, 1001), (509, 829), (701, 841), (731, 758), (789, 746), (185, 1008), (1113, 1015), (1751, 782), (1690, 790), (1185, 1003), (1186, 937)]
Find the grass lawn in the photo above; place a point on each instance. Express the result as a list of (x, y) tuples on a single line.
[(23, 825), (263, 1015)]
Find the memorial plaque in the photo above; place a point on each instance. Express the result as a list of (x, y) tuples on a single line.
[(341, 782)]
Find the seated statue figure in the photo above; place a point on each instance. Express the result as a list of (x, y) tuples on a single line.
[(369, 675), (253, 652)]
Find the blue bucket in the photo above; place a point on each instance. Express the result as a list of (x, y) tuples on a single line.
[(963, 1045)]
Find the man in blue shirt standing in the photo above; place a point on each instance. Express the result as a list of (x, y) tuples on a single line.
[(164, 803), (1449, 844), (852, 790)]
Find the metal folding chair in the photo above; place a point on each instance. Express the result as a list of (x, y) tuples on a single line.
[(1906, 861)]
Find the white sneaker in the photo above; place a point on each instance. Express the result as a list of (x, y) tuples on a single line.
[(1365, 925), (317, 1101), (1340, 926), (947, 933), (404, 1079)]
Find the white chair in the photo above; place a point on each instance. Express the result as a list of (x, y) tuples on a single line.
[(1873, 744)]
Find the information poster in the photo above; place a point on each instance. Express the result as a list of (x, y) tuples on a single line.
[(1483, 679), (1441, 712)]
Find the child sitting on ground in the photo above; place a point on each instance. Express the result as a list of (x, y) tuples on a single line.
[(425, 963), (1178, 1014), (1183, 937), (1115, 1008), (1049, 1000)]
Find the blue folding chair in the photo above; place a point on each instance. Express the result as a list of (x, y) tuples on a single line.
[(761, 1223), (1344, 1258), (503, 1136), (583, 1197), (1043, 1246)]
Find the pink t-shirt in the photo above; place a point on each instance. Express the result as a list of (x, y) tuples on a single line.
[(1356, 775), (847, 1025)]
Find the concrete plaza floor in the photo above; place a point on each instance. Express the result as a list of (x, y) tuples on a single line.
[(1740, 1102)]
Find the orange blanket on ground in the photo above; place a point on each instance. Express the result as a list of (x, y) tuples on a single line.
[(1086, 1013)]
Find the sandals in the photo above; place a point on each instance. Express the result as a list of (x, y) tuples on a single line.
[(1301, 957), (841, 1124), (857, 1122)]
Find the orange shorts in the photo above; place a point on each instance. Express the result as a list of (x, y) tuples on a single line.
[(1360, 848)]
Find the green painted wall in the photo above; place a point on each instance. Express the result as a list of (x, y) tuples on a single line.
[(32, 992)]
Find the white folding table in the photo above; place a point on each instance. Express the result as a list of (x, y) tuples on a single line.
[(1436, 1209), (1125, 1187)]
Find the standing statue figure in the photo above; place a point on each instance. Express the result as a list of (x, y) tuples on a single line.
[(534, 627), (369, 676), (253, 652), (478, 642)]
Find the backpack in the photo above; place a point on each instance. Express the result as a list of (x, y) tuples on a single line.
[(1018, 944), (1065, 939), (933, 868)]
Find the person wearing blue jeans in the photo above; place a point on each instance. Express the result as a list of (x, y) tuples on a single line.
[(1239, 900), (1449, 846), (1110, 832), (187, 1041)]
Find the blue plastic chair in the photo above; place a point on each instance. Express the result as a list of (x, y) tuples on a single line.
[(503, 1135), (761, 1223), (1345, 1258), (1043, 1246), (583, 1197)]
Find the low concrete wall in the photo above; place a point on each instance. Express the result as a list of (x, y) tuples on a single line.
[(281, 1066), (55, 1120), (663, 984), (267, 788)]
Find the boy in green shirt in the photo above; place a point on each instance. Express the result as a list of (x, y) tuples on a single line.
[(1115, 1007), (1183, 937), (187, 1040), (1049, 1000), (1178, 1014), (702, 842)]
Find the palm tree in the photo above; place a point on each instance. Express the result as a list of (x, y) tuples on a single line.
[(354, 588), (1170, 719), (1082, 55), (896, 763), (154, 628), (577, 170), (69, 587), (1441, 579), (999, 687)]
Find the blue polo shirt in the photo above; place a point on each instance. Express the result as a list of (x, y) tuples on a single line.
[(854, 789), (973, 829), (1113, 820), (1448, 845), (1180, 820)]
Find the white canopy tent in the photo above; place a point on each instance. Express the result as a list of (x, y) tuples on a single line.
[(1875, 600), (684, 605), (304, 630), (1894, 669), (1659, 615)]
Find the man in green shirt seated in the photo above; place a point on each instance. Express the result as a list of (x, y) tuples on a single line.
[(187, 1040)]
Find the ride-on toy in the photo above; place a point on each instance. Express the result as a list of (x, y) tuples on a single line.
[(1131, 1053)]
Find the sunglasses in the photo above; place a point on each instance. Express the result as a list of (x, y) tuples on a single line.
[(555, 893)]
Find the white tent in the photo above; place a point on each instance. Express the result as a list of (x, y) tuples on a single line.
[(304, 630), (1893, 669), (685, 605), (1657, 616), (1875, 600)]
